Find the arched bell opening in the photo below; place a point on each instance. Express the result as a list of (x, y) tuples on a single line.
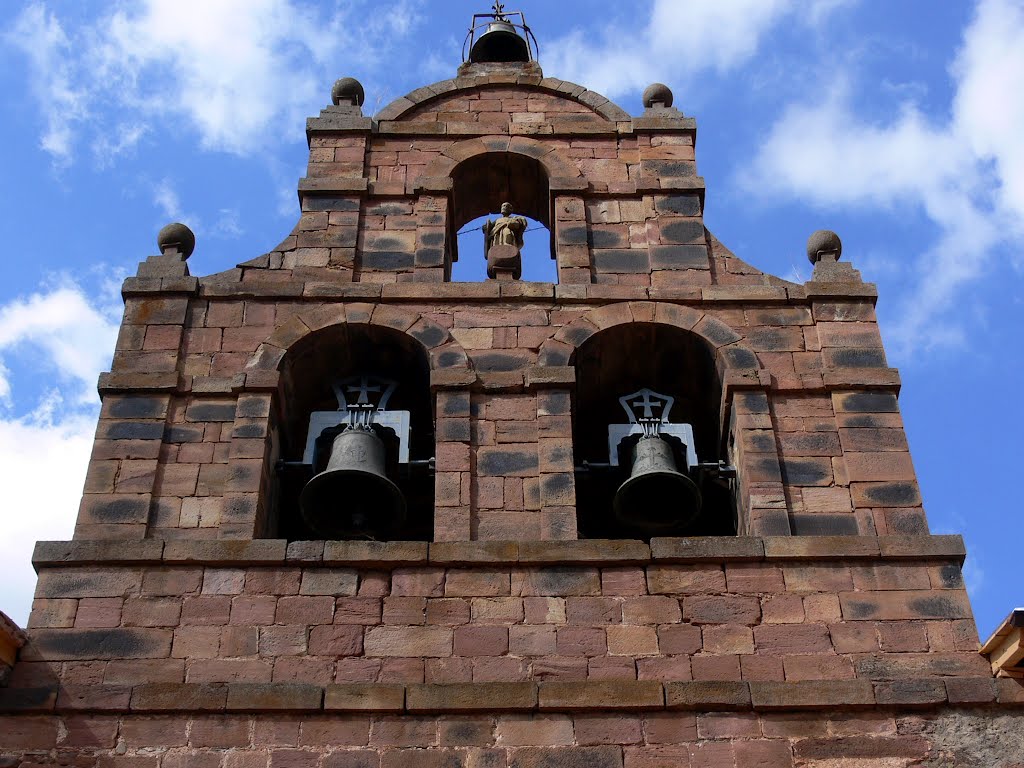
[(354, 433), (646, 436), (480, 185)]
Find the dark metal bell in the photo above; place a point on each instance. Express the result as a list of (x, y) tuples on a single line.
[(352, 497), (499, 42), (657, 497)]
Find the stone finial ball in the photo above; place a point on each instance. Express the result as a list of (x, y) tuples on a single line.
[(823, 240), (657, 93), (177, 234), (348, 90)]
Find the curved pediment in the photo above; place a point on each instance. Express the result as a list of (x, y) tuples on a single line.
[(535, 98)]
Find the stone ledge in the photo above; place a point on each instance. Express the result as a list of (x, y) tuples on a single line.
[(121, 552), (605, 695), (721, 294), (365, 697), (862, 378), (550, 696), (143, 286), (473, 552), (292, 289), (325, 185), (115, 382), (911, 693), (707, 549), (398, 128), (822, 290), (648, 186), (274, 697), (602, 551), (812, 694), (656, 124), (548, 376), (226, 552), (192, 697), (488, 291), (707, 694), (338, 124), (311, 286), (256, 552), (375, 552), (471, 697)]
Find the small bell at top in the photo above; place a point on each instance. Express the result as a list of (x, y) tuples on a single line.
[(499, 41)]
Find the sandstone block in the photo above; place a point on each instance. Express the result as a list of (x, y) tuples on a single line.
[(707, 694), (618, 694), (273, 697), (483, 697), (408, 641)]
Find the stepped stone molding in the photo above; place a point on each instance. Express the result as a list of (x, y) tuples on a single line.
[(497, 697), (422, 96), (709, 549)]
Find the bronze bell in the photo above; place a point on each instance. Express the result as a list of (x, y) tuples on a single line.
[(499, 42), (657, 497), (352, 497)]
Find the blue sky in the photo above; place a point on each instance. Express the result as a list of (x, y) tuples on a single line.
[(899, 125)]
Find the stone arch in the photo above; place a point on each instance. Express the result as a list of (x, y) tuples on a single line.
[(601, 105), (561, 171), (443, 351), (302, 355), (678, 351), (729, 351)]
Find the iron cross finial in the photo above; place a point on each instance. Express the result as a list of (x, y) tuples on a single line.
[(499, 10)]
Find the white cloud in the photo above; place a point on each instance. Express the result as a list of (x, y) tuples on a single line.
[(44, 449), (679, 40), (974, 575), (107, 147), (166, 198), (41, 38), (44, 456), (989, 104), (228, 223), (72, 334), (239, 73), (964, 172), (230, 67)]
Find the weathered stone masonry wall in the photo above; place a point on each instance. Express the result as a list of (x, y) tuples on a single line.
[(713, 609), (296, 732), (694, 652), (177, 630), (820, 446)]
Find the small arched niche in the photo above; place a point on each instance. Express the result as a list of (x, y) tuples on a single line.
[(626, 359), (310, 372), (480, 185)]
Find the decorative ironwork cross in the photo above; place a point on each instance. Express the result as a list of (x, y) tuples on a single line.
[(647, 403), (643, 403), (364, 389)]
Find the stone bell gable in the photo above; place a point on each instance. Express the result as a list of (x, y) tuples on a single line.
[(522, 586)]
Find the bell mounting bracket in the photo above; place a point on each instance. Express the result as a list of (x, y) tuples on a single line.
[(648, 412), (362, 403)]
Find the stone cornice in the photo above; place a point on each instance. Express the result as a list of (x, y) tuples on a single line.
[(549, 696), (716, 549), (314, 288)]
